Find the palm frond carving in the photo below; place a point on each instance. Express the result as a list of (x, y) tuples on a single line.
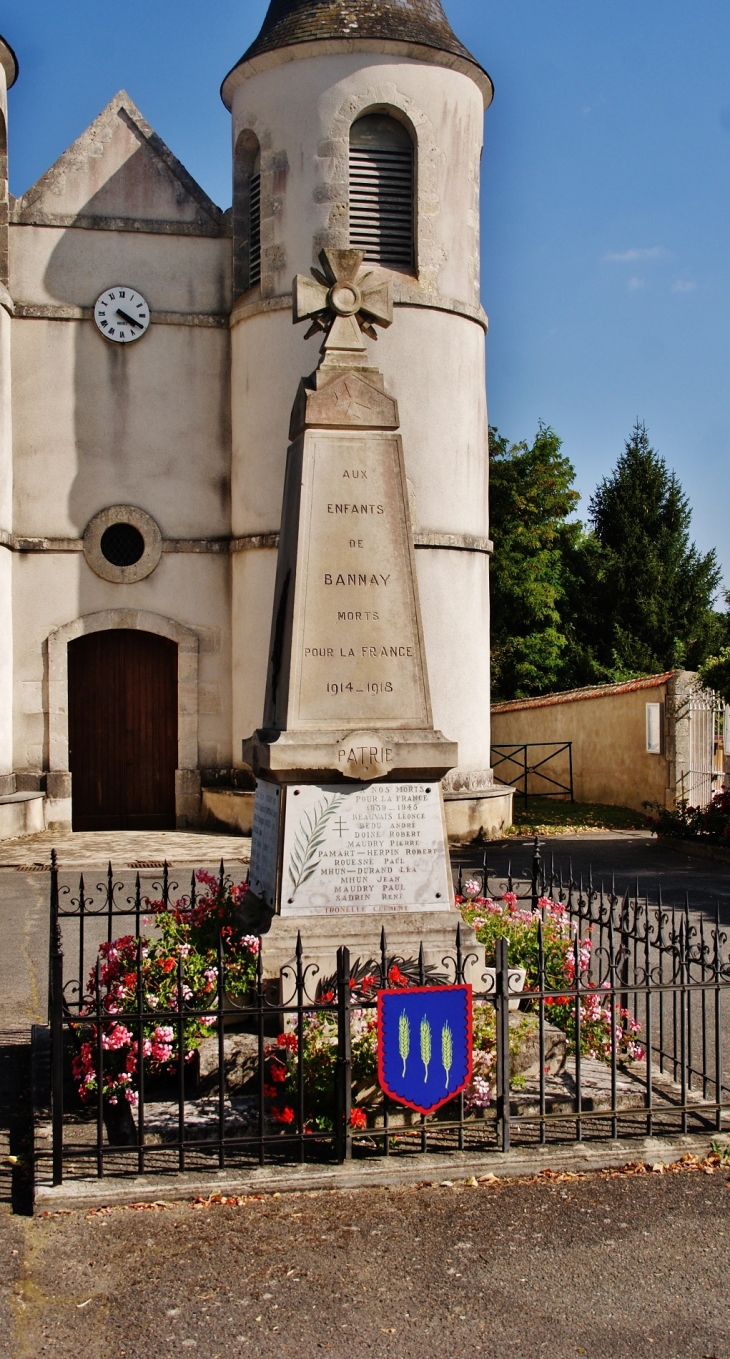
[(305, 858)]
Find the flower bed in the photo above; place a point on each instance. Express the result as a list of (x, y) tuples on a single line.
[(600, 1031), (185, 956), (319, 1059), (709, 825), (183, 960)]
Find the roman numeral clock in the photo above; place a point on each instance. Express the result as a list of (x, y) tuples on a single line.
[(121, 314)]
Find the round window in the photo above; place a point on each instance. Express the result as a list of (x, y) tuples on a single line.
[(122, 544)]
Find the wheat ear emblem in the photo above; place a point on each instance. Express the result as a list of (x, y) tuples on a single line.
[(404, 1039), (425, 1046), (447, 1051)]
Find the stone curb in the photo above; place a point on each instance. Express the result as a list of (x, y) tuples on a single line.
[(694, 849), (380, 1174)]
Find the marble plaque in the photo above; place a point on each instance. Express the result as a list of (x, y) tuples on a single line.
[(356, 646), (265, 842), (364, 848)]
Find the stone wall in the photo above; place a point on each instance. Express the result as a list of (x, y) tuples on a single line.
[(611, 764)]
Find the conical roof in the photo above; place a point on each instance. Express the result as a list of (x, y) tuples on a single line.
[(419, 22)]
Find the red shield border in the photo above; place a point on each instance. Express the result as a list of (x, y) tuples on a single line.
[(426, 990)]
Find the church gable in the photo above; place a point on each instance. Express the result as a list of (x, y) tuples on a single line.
[(120, 175)]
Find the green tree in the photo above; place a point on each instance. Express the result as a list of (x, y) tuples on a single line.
[(647, 593), (531, 497)]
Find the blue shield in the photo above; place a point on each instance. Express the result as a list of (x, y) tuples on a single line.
[(424, 1044)]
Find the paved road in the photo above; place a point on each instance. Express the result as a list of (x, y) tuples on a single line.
[(622, 855), (621, 1268)]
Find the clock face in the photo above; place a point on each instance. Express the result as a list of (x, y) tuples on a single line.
[(122, 314)]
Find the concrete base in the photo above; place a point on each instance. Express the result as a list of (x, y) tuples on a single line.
[(695, 849), (382, 1172), (227, 808), (479, 816), (21, 814), (404, 932)]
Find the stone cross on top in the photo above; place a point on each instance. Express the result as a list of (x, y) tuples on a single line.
[(345, 302)]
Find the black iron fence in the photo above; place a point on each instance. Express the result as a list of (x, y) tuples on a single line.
[(595, 1015), (536, 768)]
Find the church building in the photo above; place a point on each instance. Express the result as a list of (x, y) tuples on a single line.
[(148, 367)]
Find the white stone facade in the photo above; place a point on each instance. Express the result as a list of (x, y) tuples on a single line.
[(189, 426)]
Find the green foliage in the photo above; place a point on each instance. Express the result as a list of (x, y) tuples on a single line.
[(548, 816), (654, 590), (631, 596), (531, 498), (711, 823), (714, 673)]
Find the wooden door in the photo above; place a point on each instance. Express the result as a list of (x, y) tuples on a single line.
[(122, 727)]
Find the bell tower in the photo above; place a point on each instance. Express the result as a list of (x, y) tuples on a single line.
[(359, 126)]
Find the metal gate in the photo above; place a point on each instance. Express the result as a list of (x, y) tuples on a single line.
[(707, 725)]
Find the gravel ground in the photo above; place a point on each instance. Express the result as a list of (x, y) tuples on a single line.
[(608, 1265)]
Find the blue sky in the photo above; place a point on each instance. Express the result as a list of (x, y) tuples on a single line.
[(606, 196)]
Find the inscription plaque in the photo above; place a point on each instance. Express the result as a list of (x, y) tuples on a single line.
[(364, 848), (265, 842)]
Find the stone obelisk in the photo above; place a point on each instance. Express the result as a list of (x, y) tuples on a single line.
[(349, 811)]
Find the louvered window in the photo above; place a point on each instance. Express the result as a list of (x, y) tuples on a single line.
[(254, 230), (381, 191)]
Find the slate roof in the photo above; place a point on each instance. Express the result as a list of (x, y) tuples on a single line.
[(413, 21), (292, 21)]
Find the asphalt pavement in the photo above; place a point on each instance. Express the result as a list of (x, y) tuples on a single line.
[(621, 1267), (623, 858)]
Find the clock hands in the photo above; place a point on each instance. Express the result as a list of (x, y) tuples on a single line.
[(129, 319)]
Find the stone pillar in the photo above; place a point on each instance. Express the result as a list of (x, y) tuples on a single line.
[(349, 820), (300, 109)]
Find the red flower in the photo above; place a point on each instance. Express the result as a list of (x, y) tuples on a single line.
[(288, 1040), (284, 1115), (327, 996), (278, 1072), (396, 977), (168, 964), (270, 1091), (358, 1119)]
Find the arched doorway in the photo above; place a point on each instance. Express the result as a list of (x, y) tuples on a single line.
[(123, 737)]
